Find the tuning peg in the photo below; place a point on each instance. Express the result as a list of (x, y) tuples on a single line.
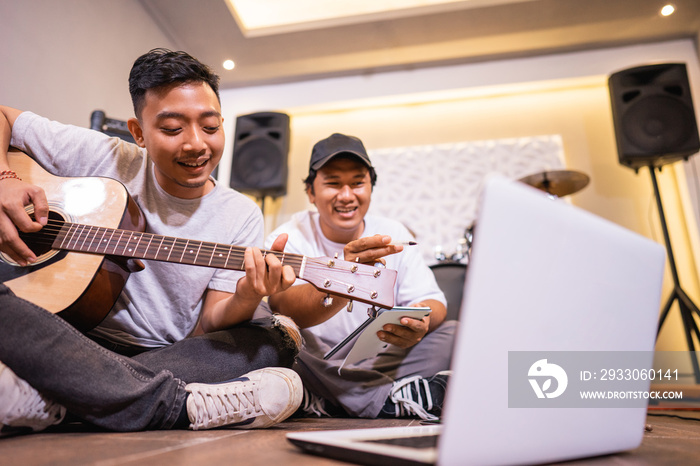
[(349, 307), (372, 312), (327, 301)]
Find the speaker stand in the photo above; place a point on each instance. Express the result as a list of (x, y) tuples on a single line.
[(686, 306)]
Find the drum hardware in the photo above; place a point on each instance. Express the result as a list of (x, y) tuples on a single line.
[(462, 251), (439, 254)]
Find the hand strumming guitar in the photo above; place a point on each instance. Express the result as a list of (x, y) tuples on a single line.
[(15, 195)]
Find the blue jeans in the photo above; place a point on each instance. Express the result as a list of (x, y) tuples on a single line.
[(121, 393)]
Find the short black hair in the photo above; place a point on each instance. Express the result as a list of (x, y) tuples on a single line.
[(162, 67), (309, 181)]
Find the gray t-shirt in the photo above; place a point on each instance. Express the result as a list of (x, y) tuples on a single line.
[(160, 304)]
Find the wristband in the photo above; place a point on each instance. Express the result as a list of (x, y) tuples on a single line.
[(8, 174)]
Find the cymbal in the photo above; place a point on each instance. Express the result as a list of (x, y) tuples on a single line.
[(557, 182)]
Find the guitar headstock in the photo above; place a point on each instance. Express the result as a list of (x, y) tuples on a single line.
[(359, 282)]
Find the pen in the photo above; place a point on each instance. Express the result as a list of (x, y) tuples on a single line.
[(402, 243)]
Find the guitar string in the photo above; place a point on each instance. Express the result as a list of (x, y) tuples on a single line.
[(47, 239), (54, 227), (50, 232)]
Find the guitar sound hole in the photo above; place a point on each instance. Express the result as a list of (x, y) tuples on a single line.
[(41, 241)]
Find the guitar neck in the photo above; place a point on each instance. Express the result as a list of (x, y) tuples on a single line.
[(361, 282), (139, 245)]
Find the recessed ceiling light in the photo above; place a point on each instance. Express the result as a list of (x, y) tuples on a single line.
[(668, 10), (229, 65), (268, 17)]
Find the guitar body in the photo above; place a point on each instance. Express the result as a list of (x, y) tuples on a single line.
[(78, 286)]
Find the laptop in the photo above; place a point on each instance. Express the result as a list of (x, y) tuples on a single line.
[(548, 286)]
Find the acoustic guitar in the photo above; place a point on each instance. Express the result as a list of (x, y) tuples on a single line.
[(95, 237)]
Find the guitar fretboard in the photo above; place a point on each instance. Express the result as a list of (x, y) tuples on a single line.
[(139, 245), (361, 282)]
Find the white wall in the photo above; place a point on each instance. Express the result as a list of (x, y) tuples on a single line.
[(82, 66)]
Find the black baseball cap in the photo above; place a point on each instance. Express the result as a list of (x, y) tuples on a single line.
[(336, 144)]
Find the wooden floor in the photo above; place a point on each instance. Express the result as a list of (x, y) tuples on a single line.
[(671, 441)]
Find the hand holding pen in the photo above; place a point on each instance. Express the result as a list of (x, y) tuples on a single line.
[(373, 249)]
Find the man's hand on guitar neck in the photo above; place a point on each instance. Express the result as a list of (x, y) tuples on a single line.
[(264, 275)]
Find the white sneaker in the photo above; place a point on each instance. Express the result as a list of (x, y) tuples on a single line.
[(255, 400), (22, 408)]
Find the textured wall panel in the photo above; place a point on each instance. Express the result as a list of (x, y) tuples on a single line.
[(434, 189)]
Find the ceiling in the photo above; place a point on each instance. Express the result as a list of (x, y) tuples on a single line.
[(480, 30)]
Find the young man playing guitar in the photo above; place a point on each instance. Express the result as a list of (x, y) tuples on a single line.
[(408, 377), (180, 347)]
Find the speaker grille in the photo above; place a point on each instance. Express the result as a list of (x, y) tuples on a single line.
[(260, 165), (653, 115), (658, 125)]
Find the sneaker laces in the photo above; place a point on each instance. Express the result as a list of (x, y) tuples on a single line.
[(314, 404), (402, 395), (30, 408), (217, 405)]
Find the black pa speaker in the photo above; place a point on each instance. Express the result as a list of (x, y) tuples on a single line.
[(260, 151), (653, 115)]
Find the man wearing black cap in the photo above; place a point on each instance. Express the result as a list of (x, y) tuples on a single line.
[(410, 376)]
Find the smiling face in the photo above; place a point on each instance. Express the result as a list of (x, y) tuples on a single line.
[(180, 126), (341, 191)]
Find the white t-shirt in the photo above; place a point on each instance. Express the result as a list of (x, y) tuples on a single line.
[(160, 304), (415, 281)]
